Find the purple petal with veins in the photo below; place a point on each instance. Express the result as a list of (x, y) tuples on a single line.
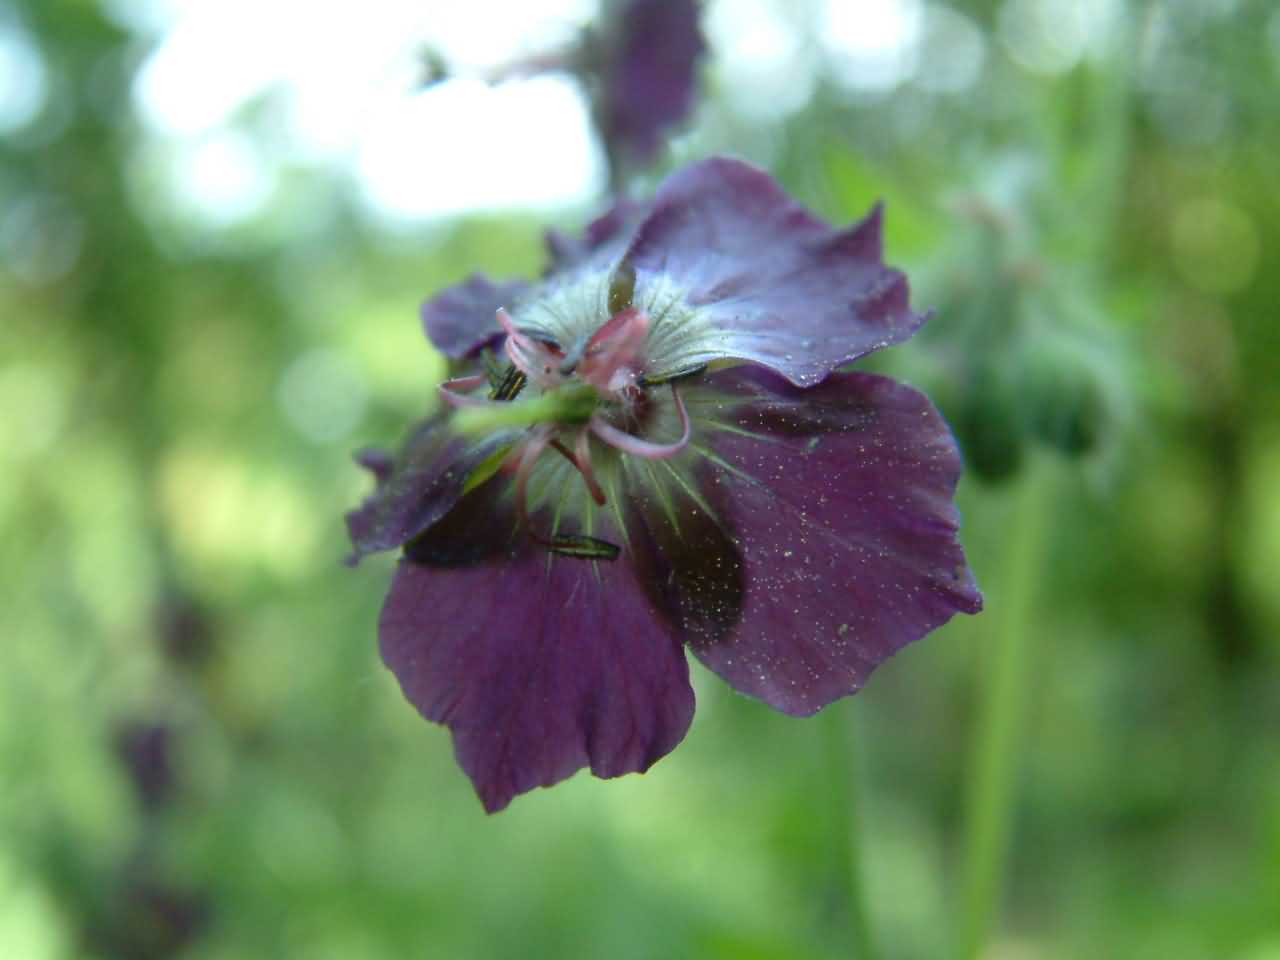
[(609, 229), (839, 501), (765, 279), (419, 487), (460, 321), (539, 664)]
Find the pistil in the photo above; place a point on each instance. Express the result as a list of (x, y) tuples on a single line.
[(577, 390)]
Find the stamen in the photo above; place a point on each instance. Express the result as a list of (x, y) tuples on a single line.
[(534, 360), (569, 545), (582, 460), (449, 391), (583, 547), (561, 449), (539, 437), (509, 385), (630, 443), (583, 466)]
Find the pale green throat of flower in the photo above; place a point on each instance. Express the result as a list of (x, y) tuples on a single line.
[(587, 374)]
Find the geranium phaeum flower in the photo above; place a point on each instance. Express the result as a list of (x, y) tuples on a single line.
[(619, 488)]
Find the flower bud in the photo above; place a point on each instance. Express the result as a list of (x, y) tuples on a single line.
[(988, 425), (1066, 405)]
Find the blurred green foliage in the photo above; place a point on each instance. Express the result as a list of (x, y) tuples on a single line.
[(172, 485)]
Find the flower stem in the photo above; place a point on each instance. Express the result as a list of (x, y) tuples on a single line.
[(569, 404), (842, 737), (997, 744)]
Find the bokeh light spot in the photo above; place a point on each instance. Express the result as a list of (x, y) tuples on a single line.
[(23, 81), (40, 239), (221, 179), (758, 54), (1215, 245), (874, 45), (230, 515), (464, 146), (323, 396), (1045, 36), (1262, 538), (952, 51), (30, 923), (344, 89), (35, 399)]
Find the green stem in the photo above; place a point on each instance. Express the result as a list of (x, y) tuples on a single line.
[(573, 403), (998, 743), (842, 736)]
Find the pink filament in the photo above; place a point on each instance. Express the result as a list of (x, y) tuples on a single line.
[(582, 460), (610, 355), (537, 362), (449, 391), (630, 443), (539, 438)]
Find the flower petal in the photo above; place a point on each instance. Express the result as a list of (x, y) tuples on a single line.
[(461, 320), (685, 558), (817, 536), (377, 461), (416, 488), (539, 664), (766, 280), (608, 229)]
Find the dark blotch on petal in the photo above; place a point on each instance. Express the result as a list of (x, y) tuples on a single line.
[(482, 530), (461, 320), (692, 569)]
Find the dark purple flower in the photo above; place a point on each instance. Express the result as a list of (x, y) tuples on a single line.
[(646, 63), (620, 488), (144, 917), (146, 751), (186, 632)]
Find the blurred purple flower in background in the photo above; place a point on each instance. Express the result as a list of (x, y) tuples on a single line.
[(667, 458), (146, 751), (142, 917), (646, 61)]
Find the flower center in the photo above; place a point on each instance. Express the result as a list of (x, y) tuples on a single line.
[(577, 391)]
